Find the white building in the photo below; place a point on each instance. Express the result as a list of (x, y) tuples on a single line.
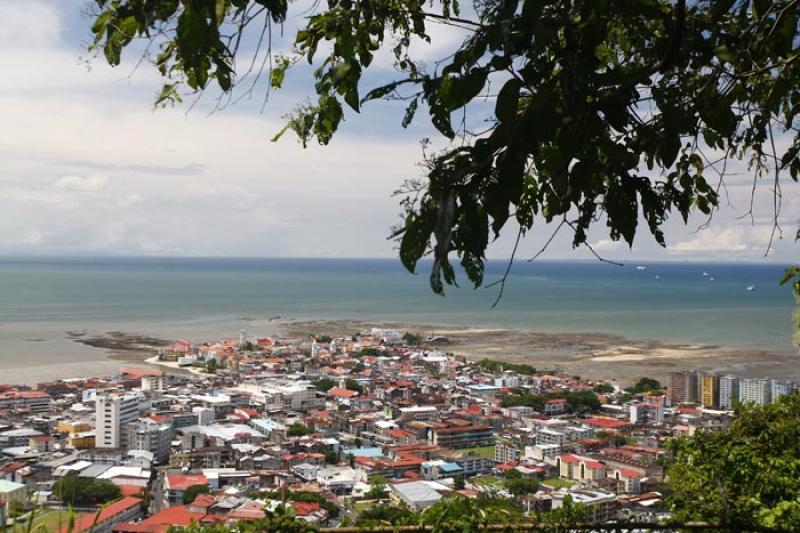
[(111, 412), (551, 436), (755, 390), (149, 436), (153, 383), (205, 415), (292, 397), (337, 479), (542, 452), (782, 387), (728, 391)]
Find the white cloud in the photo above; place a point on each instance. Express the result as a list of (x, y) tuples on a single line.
[(89, 167), (737, 240), (77, 183)]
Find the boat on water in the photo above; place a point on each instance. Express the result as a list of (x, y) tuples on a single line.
[(751, 288), (706, 274), (658, 277), (640, 267), (711, 278)]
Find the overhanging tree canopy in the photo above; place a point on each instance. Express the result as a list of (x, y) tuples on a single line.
[(604, 110)]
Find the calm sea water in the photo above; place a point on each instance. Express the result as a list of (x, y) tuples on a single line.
[(196, 298)]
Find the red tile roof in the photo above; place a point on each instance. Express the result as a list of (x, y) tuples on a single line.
[(178, 482), (605, 422), (178, 515), (339, 392), (87, 521), (305, 508)]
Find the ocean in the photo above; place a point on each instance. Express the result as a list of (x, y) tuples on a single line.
[(42, 299)]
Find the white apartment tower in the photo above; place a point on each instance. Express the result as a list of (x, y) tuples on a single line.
[(755, 390), (112, 411), (728, 391)]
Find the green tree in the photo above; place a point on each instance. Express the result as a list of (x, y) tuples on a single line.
[(80, 491), (15, 508), (351, 384), (377, 490), (193, 492), (384, 514), (411, 339), (331, 457), (298, 429), (603, 388), (518, 484), (645, 385), (457, 514), (325, 339), (602, 111), (211, 366), (745, 475), (324, 384)]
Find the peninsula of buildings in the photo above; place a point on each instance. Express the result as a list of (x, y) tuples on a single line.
[(335, 426)]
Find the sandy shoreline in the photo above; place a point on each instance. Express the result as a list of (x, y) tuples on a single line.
[(590, 354)]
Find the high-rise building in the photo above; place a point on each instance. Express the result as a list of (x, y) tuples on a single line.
[(781, 387), (728, 391), (755, 390), (682, 387), (145, 434), (710, 391), (112, 412)]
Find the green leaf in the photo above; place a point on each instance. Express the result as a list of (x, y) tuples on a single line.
[(508, 100)]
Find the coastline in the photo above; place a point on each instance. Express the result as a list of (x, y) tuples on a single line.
[(593, 355), (589, 354)]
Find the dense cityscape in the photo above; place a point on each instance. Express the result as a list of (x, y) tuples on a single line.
[(339, 429)]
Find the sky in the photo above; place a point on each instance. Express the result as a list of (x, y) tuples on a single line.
[(88, 167)]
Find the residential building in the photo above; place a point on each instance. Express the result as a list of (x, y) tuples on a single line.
[(150, 436), (781, 387), (111, 413), (728, 391), (710, 391), (456, 433), (683, 387), (755, 390)]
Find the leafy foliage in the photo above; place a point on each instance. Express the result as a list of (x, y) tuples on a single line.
[(324, 384), (306, 497), (193, 492), (645, 385), (383, 514), (80, 491), (496, 366), (411, 339), (353, 385), (374, 352), (577, 401), (603, 388), (792, 276), (518, 485), (298, 429), (745, 475), (604, 111), (458, 514)]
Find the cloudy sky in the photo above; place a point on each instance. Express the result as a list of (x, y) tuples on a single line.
[(87, 167)]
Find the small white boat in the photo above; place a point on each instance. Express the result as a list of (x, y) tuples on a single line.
[(641, 267), (711, 278), (706, 274), (751, 288), (658, 277)]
